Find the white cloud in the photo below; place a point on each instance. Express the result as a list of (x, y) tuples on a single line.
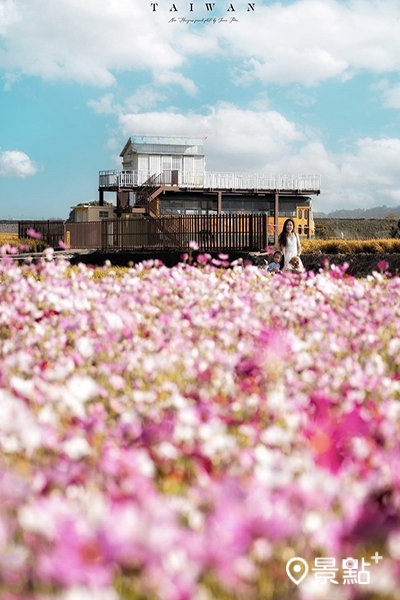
[(9, 80), (14, 163), (145, 96), (391, 97), (87, 42), (239, 139), (260, 102), (104, 106), (373, 171), (300, 97), (91, 42), (310, 41), (170, 77), (364, 176)]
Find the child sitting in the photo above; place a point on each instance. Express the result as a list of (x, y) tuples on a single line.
[(274, 266)]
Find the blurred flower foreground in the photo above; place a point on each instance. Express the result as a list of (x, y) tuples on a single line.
[(181, 434)]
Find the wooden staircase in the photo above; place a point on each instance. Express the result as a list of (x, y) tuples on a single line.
[(147, 201), (147, 193)]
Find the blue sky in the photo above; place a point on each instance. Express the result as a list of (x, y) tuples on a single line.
[(310, 86)]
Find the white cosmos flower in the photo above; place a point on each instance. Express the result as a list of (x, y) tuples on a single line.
[(76, 448), (19, 429), (77, 391)]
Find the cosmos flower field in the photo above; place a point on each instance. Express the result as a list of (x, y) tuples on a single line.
[(181, 433)]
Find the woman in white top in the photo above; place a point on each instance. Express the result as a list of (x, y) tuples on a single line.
[(289, 243)]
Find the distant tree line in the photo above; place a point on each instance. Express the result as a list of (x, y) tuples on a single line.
[(378, 212)]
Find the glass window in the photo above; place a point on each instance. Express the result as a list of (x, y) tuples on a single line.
[(287, 213), (259, 206), (306, 213), (232, 205), (103, 214), (166, 163), (300, 230), (177, 163), (191, 204), (300, 213)]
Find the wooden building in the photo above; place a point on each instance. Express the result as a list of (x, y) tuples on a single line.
[(86, 213), (164, 175)]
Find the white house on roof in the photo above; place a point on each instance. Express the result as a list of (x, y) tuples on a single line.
[(182, 157), (180, 161)]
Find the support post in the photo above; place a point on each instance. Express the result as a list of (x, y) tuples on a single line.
[(219, 203), (119, 204), (276, 218), (265, 231), (250, 228), (101, 197)]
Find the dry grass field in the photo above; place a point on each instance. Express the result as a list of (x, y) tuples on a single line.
[(9, 238), (28, 244)]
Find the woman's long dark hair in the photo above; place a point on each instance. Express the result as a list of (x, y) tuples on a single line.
[(282, 239)]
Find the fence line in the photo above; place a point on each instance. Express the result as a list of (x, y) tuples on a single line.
[(172, 232), (51, 230), (167, 232), (85, 235)]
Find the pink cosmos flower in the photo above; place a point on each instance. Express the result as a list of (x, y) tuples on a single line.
[(76, 557), (5, 248), (203, 259), (330, 438), (36, 235), (383, 265)]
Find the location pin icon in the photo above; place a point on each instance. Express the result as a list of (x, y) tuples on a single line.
[(297, 569)]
